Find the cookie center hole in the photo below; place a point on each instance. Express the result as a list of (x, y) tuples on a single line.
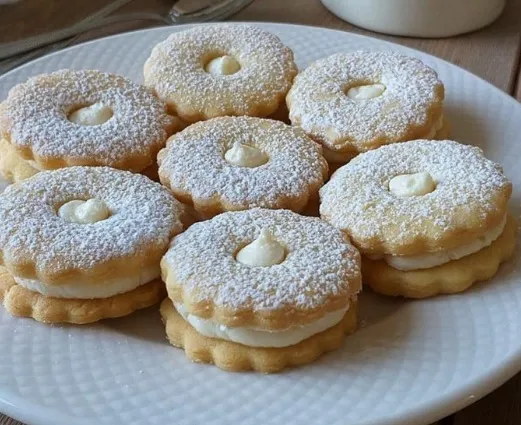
[(244, 155), (264, 251), (365, 91), (84, 212), (94, 114), (222, 65), (417, 184)]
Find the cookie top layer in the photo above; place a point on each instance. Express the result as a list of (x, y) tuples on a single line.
[(319, 274), (176, 71), (36, 243), (34, 119), (410, 105), (195, 167), (470, 196)]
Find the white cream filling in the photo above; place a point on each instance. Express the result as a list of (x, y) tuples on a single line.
[(261, 338), (84, 212), (223, 65), (264, 251), (243, 155), (84, 290), (94, 114), (417, 184), (427, 261), (366, 92)]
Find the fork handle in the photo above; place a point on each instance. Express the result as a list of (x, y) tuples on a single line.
[(182, 13)]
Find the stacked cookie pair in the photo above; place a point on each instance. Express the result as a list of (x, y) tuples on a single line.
[(82, 244), (429, 217), (254, 284)]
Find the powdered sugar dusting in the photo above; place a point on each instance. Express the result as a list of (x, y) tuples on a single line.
[(193, 162), (319, 104), (320, 262), (144, 215), (175, 70), (35, 117), (468, 189)]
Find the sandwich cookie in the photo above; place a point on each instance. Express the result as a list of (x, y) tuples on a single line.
[(429, 217), (260, 289), (82, 244)]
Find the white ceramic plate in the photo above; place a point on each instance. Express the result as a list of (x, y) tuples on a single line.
[(410, 363)]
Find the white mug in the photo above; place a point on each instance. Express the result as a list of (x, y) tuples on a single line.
[(418, 18)]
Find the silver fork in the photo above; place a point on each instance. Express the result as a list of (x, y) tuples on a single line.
[(16, 53), (187, 11)]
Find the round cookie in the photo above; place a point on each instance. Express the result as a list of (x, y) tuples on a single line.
[(355, 102), (218, 70), (237, 163), (421, 205), (84, 117), (81, 242), (260, 289)]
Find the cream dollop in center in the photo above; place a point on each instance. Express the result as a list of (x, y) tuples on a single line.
[(417, 184), (262, 252), (94, 114), (366, 92), (223, 65), (84, 212), (244, 155)]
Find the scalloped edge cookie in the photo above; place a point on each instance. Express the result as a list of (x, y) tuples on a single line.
[(194, 155), (414, 100), (235, 357), (27, 256), (449, 278), (470, 198), (321, 275), (175, 72), (15, 105), (22, 302)]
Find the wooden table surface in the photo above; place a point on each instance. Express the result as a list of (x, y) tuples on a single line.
[(492, 53)]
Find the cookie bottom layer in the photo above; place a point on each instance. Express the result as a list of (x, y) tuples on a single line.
[(23, 302), (14, 168), (452, 277), (235, 357)]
